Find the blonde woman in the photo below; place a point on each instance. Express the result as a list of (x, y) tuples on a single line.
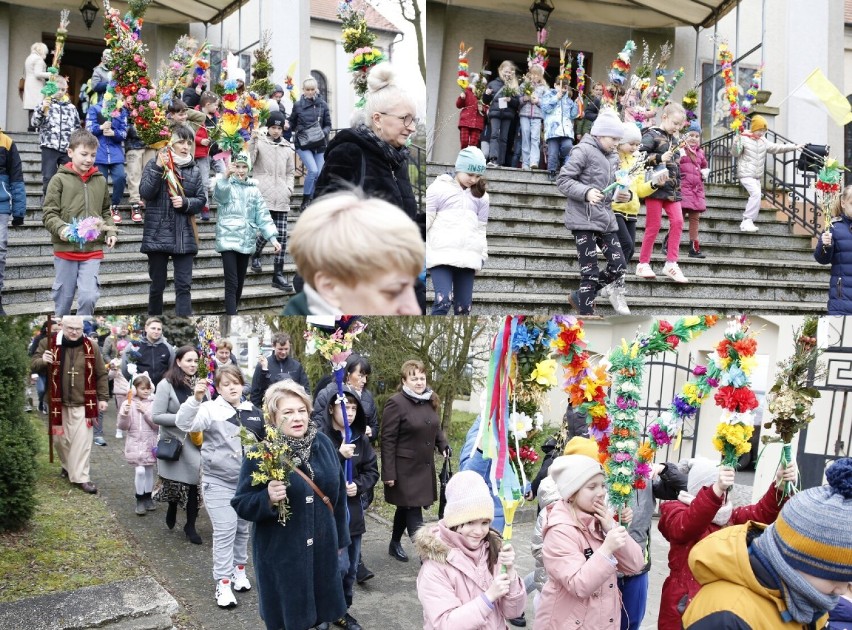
[(35, 75), (310, 111), (501, 96)]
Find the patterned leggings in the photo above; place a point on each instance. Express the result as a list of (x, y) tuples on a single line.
[(280, 219), (592, 279), (469, 136)]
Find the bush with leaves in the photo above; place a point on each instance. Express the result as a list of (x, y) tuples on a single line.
[(18, 440), (262, 68)]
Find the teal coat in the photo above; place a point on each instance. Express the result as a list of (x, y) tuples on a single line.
[(241, 213)]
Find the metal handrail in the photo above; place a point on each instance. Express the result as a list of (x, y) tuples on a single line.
[(784, 186)]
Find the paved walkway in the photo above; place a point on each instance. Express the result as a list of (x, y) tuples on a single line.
[(387, 601)]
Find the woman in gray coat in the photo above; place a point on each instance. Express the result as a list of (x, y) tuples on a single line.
[(178, 480)]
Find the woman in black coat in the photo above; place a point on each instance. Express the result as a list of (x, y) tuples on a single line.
[(169, 230), (296, 565), (310, 110), (502, 110), (411, 433)]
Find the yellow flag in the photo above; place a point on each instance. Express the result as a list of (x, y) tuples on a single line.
[(818, 90)]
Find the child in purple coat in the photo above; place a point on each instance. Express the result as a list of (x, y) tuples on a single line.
[(693, 171)]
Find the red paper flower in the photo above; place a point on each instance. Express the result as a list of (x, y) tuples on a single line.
[(722, 348), (745, 347), (664, 327), (673, 340), (740, 399), (639, 484)]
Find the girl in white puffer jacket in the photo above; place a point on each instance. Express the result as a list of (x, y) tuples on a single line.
[(456, 219)]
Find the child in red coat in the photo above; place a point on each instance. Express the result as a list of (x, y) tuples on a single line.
[(693, 171), (702, 510), (471, 117)]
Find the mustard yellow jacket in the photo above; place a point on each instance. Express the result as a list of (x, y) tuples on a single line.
[(639, 187)]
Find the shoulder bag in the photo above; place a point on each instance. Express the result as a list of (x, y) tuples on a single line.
[(311, 138), (169, 448), (316, 490)]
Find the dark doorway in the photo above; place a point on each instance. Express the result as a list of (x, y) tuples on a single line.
[(78, 61)]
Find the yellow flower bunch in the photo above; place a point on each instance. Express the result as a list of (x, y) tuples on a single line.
[(545, 373), (692, 394), (622, 488), (736, 436)]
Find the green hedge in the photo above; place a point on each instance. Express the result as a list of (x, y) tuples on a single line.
[(18, 442)]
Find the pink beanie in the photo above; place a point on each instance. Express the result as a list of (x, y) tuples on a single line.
[(468, 499)]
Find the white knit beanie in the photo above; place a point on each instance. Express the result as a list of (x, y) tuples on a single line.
[(630, 133), (607, 124), (702, 472), (468, 499), (572, 472)]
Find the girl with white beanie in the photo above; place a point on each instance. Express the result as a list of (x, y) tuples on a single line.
[(584, 549), (462, 583), (457, 209)]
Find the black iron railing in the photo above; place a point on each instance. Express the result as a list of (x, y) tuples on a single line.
[(785, 187)]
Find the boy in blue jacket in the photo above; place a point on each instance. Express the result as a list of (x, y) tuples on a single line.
[(111, 133), (13, 198)]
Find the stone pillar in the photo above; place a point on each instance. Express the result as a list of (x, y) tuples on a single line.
[(8, 83), (290, 25)]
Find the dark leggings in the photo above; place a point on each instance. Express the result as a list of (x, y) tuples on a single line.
[(410, 518), (235, 265), (592, 279), (626, 235), (453, 288)]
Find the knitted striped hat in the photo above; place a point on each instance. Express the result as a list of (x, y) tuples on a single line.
[(812, 532)]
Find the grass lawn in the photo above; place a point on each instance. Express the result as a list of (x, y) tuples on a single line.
[(459, 426), (73, 540)]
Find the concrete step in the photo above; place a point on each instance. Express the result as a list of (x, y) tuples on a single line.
[(256, 299), (30, 290), (511, 281)]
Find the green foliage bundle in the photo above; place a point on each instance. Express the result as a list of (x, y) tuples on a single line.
[(262, 69), (18, 440)]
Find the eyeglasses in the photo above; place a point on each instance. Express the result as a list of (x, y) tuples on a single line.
[(407, 120)]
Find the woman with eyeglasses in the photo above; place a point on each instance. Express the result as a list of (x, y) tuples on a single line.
[(310, 115), (373, 154)]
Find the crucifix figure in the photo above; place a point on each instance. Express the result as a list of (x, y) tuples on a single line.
[(72, 373)]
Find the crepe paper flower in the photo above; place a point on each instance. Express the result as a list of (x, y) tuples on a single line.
[(274, 459), (751, 93), (463, 79), (581, 73), (82, 231), (545, 373)]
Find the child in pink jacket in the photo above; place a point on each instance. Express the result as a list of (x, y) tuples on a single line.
[(461, 584), (583, 550), (134, 417)]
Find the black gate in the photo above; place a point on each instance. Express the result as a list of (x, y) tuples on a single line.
[(833, 409), (665, 375)]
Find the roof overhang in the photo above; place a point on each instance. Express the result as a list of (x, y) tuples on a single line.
[(159, 12), (627, 13)]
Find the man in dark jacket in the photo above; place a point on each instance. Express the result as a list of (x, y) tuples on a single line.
[(276, 367), (155, 353)]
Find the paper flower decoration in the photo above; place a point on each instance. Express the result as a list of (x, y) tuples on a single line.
[(82, 231), (464, 67)]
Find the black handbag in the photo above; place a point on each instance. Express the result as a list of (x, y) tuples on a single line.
[(444, 477), (812, 156), (169, 449), (311, 137)]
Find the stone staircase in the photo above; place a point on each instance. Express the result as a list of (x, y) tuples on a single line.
[(532, 262), (124, 271)]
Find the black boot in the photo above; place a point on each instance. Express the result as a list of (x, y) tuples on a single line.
[(191, 515), (363, 573), (396, 551), (256, 266), (278, 279), (695, 250), (171, 515), (149, 502), (140, 505), (305, 203)]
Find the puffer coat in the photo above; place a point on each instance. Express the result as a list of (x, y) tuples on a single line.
[(274, 170), (134, 418), (655, 142), (559, 115), (168, 229), (691, 182), (110, 149), (588, 167), (473, 111), (751, 151), (455, 225), (497, 88), (528, 109), (242, 212), (839, 256), (306, 112)]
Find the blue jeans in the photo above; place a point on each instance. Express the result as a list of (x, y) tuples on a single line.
[(634, 600), (530, 141), (558, 150), (347, 562), (119, 178), (453, 287), (313, 162), (4, 245)]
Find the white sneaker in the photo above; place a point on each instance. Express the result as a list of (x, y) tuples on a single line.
[(643, 270), (748, 226), (241, 582), (606, 291), (618, 300), (119, 433), (673, 272), (224, 596)]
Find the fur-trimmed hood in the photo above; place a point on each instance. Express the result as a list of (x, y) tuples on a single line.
[(430, 545)]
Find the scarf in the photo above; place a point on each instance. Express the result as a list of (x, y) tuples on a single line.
[(317, 305), (58, 346), (478, 555), (301, 448), (395, 157), (182, 161), (426, 396), (805, 604)]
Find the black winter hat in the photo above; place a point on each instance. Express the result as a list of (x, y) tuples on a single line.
[(276, 118)]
